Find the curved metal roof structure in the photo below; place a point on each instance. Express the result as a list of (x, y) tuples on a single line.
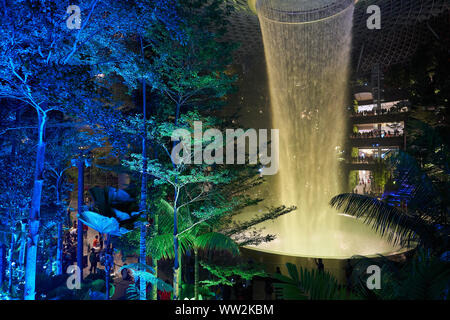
[(403, 27)]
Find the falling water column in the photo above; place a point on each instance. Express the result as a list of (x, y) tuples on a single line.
[(307, 52)]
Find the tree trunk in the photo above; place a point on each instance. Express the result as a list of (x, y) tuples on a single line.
[(196, 273), (10, 269), (59, 245), (176, 264), (3, 263), (154, 260), (177, 113), (14, 137), (180, 274), (142, 259), (80, 248), (23, 244), (33, 223), (59, 249), (143, 202), (107, 266), (155, 286)]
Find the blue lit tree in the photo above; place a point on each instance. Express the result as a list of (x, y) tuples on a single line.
[(16, 173), (132, 63), (42, 64), (194, 72), (63, 147)]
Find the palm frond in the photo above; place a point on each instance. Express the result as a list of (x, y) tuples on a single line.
[(427, 278), (216, 241), (165, 217), (133, 292), (422, 195), (309, 284), (150, 278), (162, 247), (138, 266), (387, 220), (424, 277)]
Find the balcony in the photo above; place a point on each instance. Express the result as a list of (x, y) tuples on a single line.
[(363, 163), (367, 117), (376, 138)]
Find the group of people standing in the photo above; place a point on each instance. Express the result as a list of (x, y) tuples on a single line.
[(96, 252)]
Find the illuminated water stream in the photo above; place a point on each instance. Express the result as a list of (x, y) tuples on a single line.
[(307, 54)]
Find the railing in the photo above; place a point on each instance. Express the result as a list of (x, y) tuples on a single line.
[(364, 160), (377, 113), (376, 135)]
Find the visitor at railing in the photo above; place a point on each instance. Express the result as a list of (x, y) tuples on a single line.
[(376, 134), (374, 112), (364, 159)]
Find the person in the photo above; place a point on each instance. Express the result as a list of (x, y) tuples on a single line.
[(93, 260), (320, 265), (68, 216), (277, 293), (96, 243), (101, 240), (125, 273), (85, 231), (348, 273), (73, 230), (268, 289)]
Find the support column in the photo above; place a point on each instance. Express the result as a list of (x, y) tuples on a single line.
[(80, 251)]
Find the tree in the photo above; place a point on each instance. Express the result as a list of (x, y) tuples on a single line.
[(193, 236), (70, 140), (228, 275), (181, 178), (188, 71), (16, 173), (41, 72), (201, 198), (424, 216), (114, 215), (132, 66), (210, 241), (193, 72)]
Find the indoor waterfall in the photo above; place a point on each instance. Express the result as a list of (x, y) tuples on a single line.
[(307, 47)]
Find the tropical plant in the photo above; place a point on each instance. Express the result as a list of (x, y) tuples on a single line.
[(306, 284), (114, 216), (424, 219), (422, 277), (193, 236), (226, 275), (147, 274)]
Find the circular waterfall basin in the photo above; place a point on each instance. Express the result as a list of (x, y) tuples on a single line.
[(300, 11), (349, 239), (305, 4)]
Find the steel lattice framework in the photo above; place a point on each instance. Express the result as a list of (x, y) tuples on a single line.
[(403, 28)]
